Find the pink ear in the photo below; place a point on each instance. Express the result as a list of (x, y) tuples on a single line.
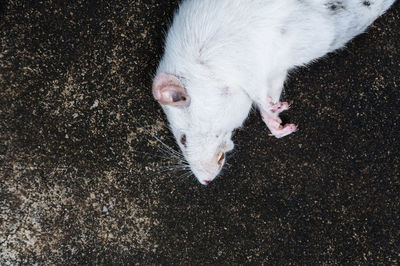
[(168, 90)]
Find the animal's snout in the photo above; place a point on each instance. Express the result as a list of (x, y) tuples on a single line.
[(206, 170)]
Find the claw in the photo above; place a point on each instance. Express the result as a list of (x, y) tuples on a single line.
[(274, 123), (279, 107)]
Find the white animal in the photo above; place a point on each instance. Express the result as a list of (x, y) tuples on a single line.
[(221, 56)]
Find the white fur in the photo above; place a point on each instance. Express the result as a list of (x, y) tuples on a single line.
[(231, 53)]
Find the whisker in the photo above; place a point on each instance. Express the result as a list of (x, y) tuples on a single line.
[(180, 167), (172, 167), (163, 156), (169, 152), (177, 163), (155, 174), (177, 166), (168, 147), (168, 169), (164, 144), (185, 175), (163, 170)]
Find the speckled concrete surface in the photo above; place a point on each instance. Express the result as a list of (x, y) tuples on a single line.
[(83, 179)]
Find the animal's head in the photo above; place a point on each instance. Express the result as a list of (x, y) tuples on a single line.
[(202, 116)]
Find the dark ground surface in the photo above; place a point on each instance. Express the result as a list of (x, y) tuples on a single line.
[(80, 170)]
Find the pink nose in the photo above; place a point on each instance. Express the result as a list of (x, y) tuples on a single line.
[(207, 182)]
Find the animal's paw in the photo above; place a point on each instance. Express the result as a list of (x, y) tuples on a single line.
[(277, 107), (274, 124)]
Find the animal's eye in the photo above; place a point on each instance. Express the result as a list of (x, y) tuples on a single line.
[(221, 158), (183, 140)]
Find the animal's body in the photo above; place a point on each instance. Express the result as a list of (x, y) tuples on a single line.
[(222, 56)]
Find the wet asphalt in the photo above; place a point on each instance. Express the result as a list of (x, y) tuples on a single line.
[(84, 180)]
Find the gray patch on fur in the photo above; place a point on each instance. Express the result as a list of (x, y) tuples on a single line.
[(335, 6), (367, 3)]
